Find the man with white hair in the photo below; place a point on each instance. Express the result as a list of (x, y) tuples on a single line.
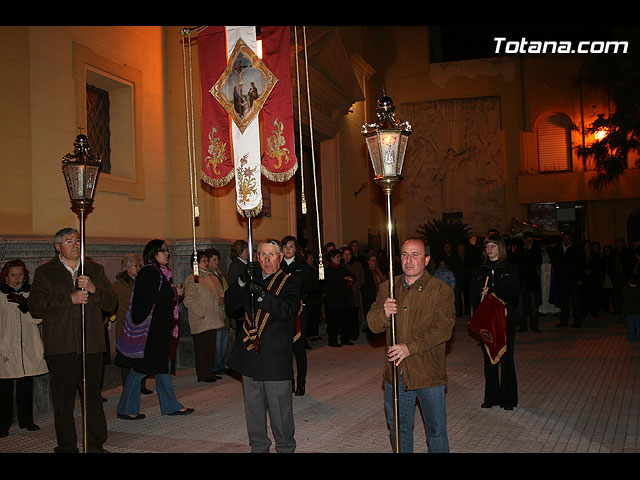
[(263, 350)]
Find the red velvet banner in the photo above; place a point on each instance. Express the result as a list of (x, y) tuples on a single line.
[(489, 321), (217, 159), (278, 136)]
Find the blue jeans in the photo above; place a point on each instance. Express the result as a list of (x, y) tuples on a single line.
[(633, 327), (130, 398), (222, 338), (434, 411)]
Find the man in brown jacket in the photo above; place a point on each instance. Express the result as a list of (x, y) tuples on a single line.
[(425, 316), (57, 293)]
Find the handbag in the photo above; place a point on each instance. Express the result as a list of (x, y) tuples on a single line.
[(133, 338)]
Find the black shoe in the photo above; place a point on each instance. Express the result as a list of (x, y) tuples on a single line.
[(508, 407), (346, 342), (488, 405), (209, 380), (186, 411), (299, 391), (32, 427), (139, 416), (334, 344), (146, 391), (4, 433)]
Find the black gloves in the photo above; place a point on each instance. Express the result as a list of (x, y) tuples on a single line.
[(16, 298), (249, 272), (20, 300), (257, 289)]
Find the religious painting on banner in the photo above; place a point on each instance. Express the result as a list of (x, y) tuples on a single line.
[(241, 94)]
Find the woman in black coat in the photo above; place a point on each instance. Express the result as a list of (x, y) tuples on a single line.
[(155, 294), (501, 387), (339, 299)]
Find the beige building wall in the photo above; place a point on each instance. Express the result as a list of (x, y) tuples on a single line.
[(41, 115)]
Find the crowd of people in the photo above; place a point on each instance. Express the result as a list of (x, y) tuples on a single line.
[(275, 306)]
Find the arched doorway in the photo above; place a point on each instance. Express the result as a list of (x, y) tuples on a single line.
[(633, 226)]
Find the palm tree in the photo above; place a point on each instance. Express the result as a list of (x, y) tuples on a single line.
[(438, 232), (619, 75)]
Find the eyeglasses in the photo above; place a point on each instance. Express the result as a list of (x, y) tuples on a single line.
[(72, 241)]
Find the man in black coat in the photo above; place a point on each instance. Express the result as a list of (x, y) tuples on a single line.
[(239, 258), (529, 261), (263, 349), (568, 265)]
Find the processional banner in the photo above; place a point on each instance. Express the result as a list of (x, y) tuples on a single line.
[(243, 95)]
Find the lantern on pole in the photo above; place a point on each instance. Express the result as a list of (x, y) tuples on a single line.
[(81, 170), (387, 142)]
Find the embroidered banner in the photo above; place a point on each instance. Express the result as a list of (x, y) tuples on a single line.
[(217, 162), (247, 112), (279, 162)]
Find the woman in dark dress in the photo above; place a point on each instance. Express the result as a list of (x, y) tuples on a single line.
[(339, 300), (501, 387), (154, 292)]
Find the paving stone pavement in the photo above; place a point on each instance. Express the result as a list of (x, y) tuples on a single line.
[(579, 392)]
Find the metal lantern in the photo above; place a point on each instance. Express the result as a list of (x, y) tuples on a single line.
[(387, 142), (81, 171)]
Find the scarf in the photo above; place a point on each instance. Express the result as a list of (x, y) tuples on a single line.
[(253, 327), (176, 311)]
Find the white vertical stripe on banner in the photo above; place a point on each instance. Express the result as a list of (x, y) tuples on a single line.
[(246, 146)]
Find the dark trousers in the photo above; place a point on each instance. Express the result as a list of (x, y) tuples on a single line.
[(275, 398), (353, 323), (501, 385), (300, 351), (570, 295), (313, 320), (204, 345), (528, 310), (24, 401), (337, 324), (66, 380)]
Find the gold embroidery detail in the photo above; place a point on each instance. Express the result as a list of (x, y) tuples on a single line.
[(275, 145), (247, 182), (215, 150)]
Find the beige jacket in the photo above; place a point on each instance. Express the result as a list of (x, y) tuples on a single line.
[(202, 300), (425, 321), (21, 350)]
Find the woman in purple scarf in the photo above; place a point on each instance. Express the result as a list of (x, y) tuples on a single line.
[(153, 294)]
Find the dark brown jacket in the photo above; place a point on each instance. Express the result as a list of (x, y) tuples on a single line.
[(425, 321), (50, 299)]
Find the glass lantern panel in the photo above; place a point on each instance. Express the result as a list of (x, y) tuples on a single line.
[(389, 143), (374, 152)]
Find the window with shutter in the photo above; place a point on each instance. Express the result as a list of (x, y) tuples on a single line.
[(554, 143)]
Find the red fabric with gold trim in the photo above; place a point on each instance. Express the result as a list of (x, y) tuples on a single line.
[(278, 137), (217, 159), (489, 321)]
